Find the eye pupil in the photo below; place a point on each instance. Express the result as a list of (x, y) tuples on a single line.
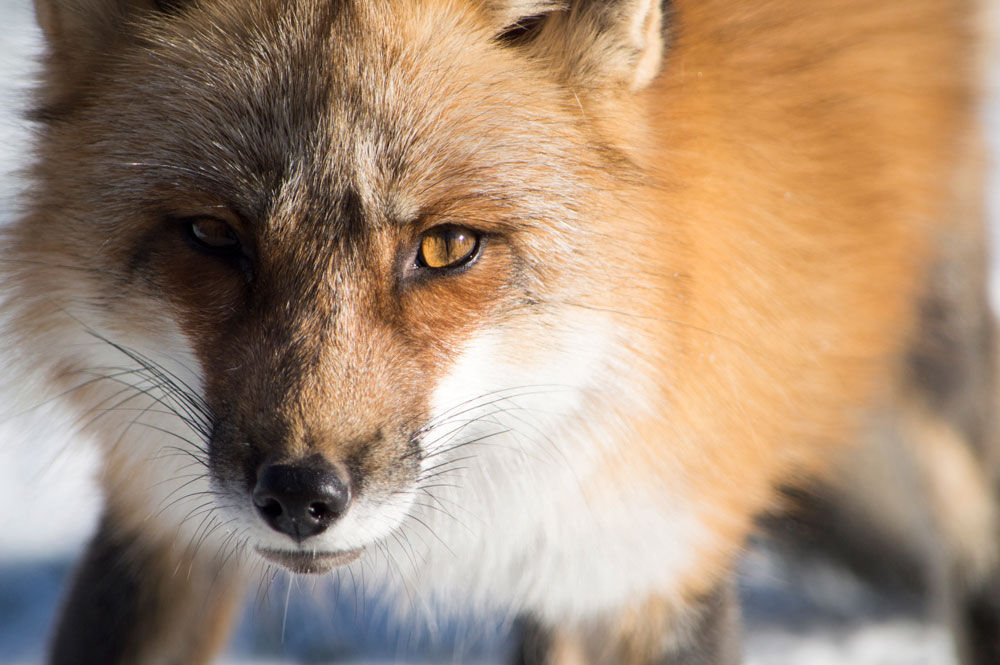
[(213, 234), (448, 247)]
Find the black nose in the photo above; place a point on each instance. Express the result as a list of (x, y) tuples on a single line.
[(301, 499)]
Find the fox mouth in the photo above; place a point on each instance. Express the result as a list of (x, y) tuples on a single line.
[(313, 563)]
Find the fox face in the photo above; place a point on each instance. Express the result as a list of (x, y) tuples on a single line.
[(350, 252)]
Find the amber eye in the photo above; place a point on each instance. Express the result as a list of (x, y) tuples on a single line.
[(213, 235), (447, 247)]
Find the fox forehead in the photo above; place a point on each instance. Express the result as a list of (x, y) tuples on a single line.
[(352, 114)]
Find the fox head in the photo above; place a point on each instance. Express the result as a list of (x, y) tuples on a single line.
[(294, 255)]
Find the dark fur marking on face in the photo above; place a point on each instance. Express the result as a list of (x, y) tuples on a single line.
[(351, 214), (47, 114), (139, 260)]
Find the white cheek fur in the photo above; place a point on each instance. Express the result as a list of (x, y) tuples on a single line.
[(523, 515), (155, 440)]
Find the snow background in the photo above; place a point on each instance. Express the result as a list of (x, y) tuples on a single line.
[(802, 613)]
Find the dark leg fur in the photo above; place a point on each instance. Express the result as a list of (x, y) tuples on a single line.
[(980, 642), (131, 604), (535, 644)]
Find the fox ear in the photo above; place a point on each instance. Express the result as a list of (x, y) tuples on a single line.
[(89, 26), (592, 43), (79, 33)]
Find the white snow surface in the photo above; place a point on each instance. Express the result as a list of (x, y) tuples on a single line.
[(795, 614)]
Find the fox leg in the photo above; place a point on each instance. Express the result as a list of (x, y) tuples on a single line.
[(966, 512), (980, 638), (708, 632), (134, 604)]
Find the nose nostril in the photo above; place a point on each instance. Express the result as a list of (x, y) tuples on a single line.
[(320, 511), (269, 507)]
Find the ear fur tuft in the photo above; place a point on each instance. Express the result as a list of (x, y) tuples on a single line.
[(522, 31), (506, 14), (594, 44), (169, 6)]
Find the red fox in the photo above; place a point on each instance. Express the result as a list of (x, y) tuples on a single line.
[(547, 299)]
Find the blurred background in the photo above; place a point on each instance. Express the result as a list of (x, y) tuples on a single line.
[(800, 612)]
